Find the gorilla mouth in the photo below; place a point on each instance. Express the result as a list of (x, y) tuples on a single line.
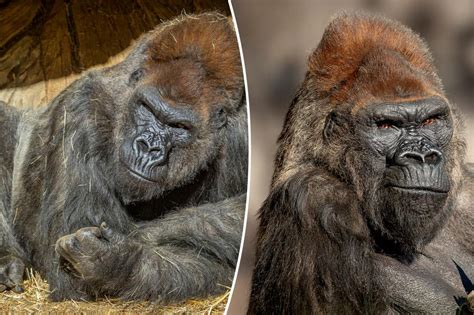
[(140, 175), (417, 189)]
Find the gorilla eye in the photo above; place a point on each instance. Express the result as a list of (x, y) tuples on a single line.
[(180, 125), (385, 124), (429, 121)]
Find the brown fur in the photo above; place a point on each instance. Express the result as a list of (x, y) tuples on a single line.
[(362, 58), (201, 53)]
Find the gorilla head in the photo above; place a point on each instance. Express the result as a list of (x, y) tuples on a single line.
[(185, 81), (390, 127)]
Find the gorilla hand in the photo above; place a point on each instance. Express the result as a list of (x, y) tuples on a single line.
[(12, 269), (98, 255)]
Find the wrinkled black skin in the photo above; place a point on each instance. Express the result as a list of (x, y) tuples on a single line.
[(376, 230), (68, 168), (160, 128)]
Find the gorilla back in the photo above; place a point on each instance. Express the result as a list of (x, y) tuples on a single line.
[(132, 182), (371, 206)]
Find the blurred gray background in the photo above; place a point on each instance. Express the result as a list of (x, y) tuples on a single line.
[(277, 36)]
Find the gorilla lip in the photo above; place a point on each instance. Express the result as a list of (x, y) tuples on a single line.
[(420, 189), (137, 174)]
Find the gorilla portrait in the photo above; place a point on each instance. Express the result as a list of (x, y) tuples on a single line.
[(370, 209), (132, 182)]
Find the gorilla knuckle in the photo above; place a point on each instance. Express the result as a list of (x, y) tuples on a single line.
[(88, 234)]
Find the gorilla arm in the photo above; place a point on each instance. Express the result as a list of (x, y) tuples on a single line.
[(310, 228), (464, 214), (189, 253), (417, 284)]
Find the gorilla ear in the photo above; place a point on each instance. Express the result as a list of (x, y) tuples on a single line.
[(136, 76), (221, 118), (335, 125)]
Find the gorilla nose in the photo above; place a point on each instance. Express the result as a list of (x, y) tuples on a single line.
[(431, 157), (157, 151)]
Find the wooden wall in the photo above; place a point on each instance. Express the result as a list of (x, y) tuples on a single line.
[(46, 44)]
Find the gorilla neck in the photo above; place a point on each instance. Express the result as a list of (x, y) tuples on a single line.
[(407, 222), (160, 206), (402, 251), (190, 194)]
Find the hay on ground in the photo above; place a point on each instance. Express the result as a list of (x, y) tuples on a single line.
[(35, 300)]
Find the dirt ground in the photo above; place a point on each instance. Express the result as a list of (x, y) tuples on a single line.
[(35, 300)]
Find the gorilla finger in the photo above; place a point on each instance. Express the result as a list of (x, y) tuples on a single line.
[(18, 289), (67, 266), (8, 283), (88, 233), (108, 233), (65, 246), (90, 241), (16, 271)]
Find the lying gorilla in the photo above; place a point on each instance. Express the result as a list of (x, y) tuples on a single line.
[(371, 206), (135, 175)]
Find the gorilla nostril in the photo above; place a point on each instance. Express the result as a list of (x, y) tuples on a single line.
[(412, 157), (157, 149), (154, 151), (432, 157), (142, 145)]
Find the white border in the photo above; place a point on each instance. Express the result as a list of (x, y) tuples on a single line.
[(247, 99)]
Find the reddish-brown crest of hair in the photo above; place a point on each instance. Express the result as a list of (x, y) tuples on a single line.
[(364, 58), (207, 38)]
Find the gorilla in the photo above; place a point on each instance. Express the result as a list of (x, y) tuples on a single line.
[(132, 182), (370, 209)]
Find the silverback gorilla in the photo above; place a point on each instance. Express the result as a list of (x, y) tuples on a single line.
[(371, 207), (132, 182)]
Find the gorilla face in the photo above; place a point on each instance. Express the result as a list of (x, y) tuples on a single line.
[(172, 103), (411, 138), (159, 129), (408, 145), (170, 129)]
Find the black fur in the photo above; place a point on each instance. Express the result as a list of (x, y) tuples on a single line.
[(116, 234)]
